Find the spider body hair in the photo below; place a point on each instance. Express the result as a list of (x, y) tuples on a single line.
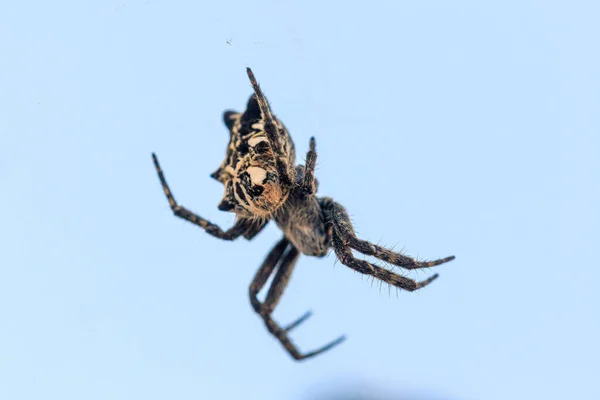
[(262, 183)]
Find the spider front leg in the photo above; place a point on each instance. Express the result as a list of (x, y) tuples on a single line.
[(308, 181), (284, 169), (283, 256), (239, 228)]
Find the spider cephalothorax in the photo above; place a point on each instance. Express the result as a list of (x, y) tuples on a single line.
[(262, 183)]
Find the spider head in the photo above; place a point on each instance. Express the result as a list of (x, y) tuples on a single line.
[(252, 186)]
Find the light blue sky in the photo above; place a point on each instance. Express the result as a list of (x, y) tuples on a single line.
[(465, 128)]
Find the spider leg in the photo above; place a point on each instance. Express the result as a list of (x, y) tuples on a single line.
[(308, 181), (345, 256), (273, 134), (341, 233), (392, 257), (265, 271), (255, 226), (297, 322), (281, 279), (344, 229), (285, 262), (239, 228)]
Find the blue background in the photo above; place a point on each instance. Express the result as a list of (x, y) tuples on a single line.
[(464, 128)]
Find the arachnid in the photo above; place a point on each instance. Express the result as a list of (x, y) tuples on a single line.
[(262, 183)]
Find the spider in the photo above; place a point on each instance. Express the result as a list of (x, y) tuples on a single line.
[(262, 183)]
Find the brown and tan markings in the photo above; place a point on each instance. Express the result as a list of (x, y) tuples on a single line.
[(262, 183)]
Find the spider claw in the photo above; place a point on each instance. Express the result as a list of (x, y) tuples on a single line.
[(328, 346), (297, 322), (438, 262), (156, 163), (427, 281)]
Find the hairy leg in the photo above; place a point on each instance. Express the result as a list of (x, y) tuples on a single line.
[(284, 170), (308, 181), (255, 226), (284, 261), (392, 257), (343, 227), (240, 227), (344, 254), (265, 271), (281, 279), (343, 236)]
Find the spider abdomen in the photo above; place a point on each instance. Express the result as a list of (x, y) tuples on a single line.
[(249, 173)]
